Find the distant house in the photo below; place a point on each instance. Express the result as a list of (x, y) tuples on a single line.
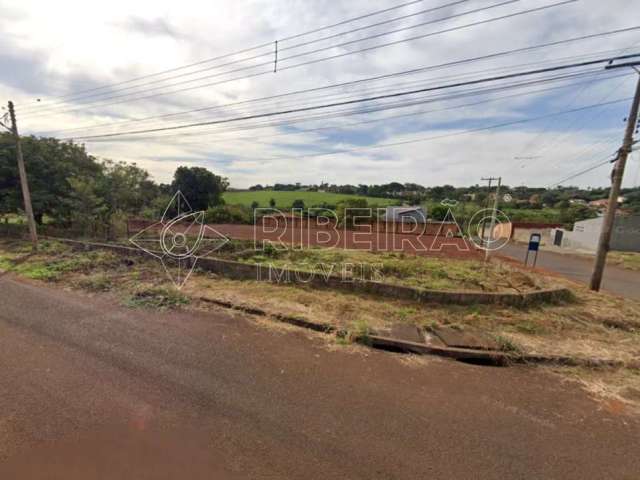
[(603, 203), (522, 231), (405, 214), (600, 204), (577, 201), (586, 234)]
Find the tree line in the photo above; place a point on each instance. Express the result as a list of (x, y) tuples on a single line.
[(73, 189)]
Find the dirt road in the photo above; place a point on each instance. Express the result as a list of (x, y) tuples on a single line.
[(92, 390)]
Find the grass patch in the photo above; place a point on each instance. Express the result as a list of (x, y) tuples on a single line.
[(507, 345), (98, 282), (157, 297), (626, 260), (390, 267), (285, 199), (361, 330)]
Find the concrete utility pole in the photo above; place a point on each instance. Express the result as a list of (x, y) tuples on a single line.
[(493, 217), (616, 184), (24, 184)]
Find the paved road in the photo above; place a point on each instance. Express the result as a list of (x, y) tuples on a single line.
[(91, 390), (616, 280)]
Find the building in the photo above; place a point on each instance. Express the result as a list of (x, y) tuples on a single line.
[(522, 231), (405, 214), (586, 234), (603, 203), (600, 204)]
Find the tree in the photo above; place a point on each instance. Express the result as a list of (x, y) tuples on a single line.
[(254, 205), (272, 202), (351, 208), (438, 212), (50, 164), (299, 204), (201, 188), (576, 213)]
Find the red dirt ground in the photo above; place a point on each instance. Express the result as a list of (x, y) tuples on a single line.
[(425, 245)]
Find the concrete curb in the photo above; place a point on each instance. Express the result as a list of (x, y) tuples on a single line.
[(377, 341), (493, 357), (256, 272)]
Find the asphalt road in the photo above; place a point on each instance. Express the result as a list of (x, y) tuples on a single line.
[(615, 280), (92, 390)]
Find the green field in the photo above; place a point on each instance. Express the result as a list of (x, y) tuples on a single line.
[(285, 199)]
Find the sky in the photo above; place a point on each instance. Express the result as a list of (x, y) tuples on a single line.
[(73, 70)]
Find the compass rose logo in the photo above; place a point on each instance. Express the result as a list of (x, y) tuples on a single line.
[(179, 239)]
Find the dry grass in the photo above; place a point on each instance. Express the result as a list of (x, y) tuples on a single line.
[(391, 267), (594, 325), (618, 390), (626, 260)]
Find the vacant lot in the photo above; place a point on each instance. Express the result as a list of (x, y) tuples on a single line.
[(592, 325), (423, 245), (285, 199), (390, 267)]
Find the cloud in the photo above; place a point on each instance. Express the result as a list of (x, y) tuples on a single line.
[(155, 26), (45, 53)]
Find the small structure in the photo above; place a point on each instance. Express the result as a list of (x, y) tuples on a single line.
[(599, 204), (586, 234), (405, 214), (522, 231)]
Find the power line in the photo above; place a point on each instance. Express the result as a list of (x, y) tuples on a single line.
[(245, 50), (446, 135), (360, 81), (309, 62), (280, 50), (361, 100), (384, 107), (380, 89), (582, 172), (369, 79), (396, 74)]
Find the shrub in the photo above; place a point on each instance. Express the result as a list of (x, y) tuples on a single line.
[(229, 214)]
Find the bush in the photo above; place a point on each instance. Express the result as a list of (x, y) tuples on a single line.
[(351, 208), (229, 214)]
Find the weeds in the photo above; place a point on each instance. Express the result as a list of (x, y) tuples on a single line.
[(507, 345), (361, 331), (157, 297), (99, 282)]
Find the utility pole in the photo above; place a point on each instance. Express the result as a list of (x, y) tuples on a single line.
[(616, 184), (493, 217), (490, 180), (24, 184)]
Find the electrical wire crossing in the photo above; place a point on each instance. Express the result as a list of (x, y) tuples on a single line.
[(362, 100)]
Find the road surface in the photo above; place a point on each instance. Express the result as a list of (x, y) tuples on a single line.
[(615, 280), (92, 390)]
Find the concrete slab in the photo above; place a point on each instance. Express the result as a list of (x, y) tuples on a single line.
[(410, 333), (466, 338)]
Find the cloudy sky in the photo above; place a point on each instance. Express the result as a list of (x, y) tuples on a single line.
[(97, 68)]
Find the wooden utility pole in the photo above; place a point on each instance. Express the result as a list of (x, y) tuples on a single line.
[(490, 180), (493, 218), (616, 184), (24, 184)]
